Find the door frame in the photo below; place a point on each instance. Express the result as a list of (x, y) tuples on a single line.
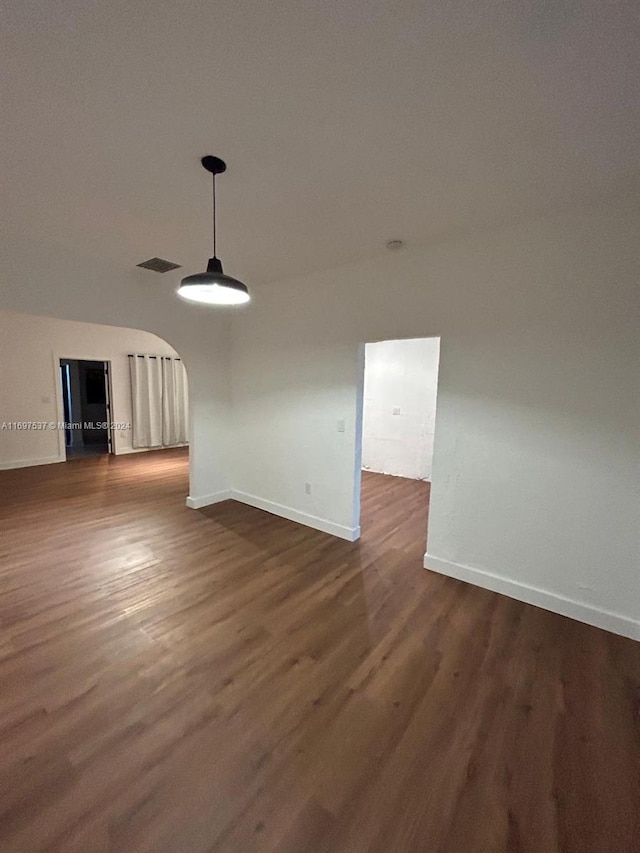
[(57, 358)]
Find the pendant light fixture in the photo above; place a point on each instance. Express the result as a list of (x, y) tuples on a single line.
[(213, 287)]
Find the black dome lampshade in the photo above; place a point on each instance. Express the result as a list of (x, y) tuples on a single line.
[(213, 287)]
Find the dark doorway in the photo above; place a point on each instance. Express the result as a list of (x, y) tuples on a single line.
[(87, 410)]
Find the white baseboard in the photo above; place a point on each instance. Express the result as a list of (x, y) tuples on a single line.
[(200, 501), (124, 450), (29, 463), (323, 524), (613, 622), (339, 530)]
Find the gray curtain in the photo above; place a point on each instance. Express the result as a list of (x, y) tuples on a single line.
[(160, 401)]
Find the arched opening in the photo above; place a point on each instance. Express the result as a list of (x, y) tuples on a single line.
[(73, 390)]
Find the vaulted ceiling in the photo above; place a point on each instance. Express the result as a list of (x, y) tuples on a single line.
[(344, 124)]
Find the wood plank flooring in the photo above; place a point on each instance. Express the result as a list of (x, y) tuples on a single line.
[(183, 681)]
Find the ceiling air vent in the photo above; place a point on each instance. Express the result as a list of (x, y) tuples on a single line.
[(158, 265)]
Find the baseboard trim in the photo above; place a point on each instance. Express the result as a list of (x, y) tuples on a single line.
[(123, 451), (30, 463), (314, 521), (605, 619), (200, 501)]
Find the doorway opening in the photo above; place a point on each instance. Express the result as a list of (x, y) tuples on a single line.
[(399, 401), (86, 400)]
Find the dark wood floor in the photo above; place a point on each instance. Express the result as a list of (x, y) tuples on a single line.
[(223, 680)]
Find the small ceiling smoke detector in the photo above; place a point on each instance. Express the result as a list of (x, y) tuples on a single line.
[(394, 244), (158, 265)]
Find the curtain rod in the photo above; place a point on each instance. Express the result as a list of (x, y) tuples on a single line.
[(170, 357)]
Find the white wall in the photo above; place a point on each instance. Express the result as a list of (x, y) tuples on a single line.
[(30, 352), (537, 447), (400, 390)]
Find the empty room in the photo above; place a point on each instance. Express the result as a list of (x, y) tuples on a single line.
[(399, 401), (320, 427)]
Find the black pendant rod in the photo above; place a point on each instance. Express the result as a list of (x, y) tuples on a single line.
[(214, 214), (216, 166)]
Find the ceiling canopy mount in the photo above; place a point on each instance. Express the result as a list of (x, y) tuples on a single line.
[(214, 164)]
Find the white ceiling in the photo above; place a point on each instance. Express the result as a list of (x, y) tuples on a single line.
[(343, 124)]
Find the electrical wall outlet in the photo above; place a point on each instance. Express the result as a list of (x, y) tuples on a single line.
[(307, 488), (395, 410), (340, 425)]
